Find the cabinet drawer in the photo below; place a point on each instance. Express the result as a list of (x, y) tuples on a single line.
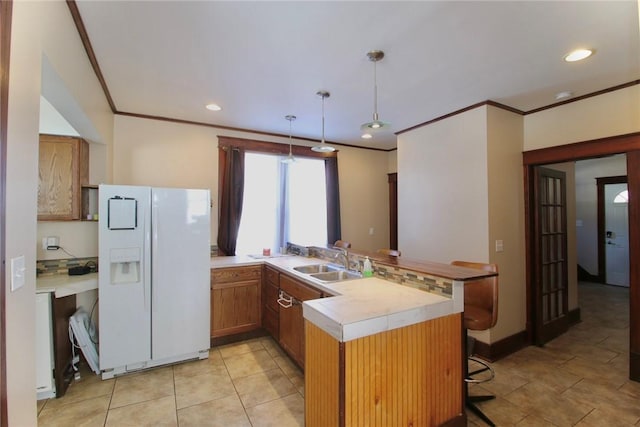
[(273, 276), (235, 274), (298, 290)]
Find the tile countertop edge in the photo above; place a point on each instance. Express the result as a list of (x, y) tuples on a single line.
[(313, 312)]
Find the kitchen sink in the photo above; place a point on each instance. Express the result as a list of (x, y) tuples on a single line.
[(336, 276), (317, 268)]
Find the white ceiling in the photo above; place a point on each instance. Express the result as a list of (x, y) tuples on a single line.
[(263, 60)]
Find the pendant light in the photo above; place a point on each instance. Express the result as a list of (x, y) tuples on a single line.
[(290, 158), (377, 124), (323, 147)]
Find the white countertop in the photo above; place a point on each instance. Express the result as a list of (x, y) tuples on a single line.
[(240, 260), (361, 307), (371, 305), (63, 285)]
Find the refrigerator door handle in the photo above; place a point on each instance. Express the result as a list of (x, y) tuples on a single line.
[(154, 243), (146, 287)]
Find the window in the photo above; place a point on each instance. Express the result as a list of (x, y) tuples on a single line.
[(622, 197), (282, 203)]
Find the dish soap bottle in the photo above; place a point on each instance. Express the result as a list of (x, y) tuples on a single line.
[(367, 270)]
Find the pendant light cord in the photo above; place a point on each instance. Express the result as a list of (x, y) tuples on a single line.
[(290, 120), (322, 119), (375, 91)]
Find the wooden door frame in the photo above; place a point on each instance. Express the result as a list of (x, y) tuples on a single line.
[(392, 179), (6, 10), (628, 144), (601, 182)]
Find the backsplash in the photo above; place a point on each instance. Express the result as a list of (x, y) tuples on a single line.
[(51, 267), (401, 276), (413, 279), (422, 281)]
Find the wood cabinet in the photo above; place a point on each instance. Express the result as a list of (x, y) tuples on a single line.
[(63, 169), (270, 307), (235, 300), (291, 319)]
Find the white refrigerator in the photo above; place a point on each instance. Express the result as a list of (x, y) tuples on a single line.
[(154, 264)]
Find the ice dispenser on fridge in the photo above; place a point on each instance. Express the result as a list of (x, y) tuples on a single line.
[(125, 265), (122, 215)]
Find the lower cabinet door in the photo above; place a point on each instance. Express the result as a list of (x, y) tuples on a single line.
[(235, 307), (271, 321), (292, 332)]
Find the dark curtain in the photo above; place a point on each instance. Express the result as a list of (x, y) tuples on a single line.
[(231, 175), (333, 200)]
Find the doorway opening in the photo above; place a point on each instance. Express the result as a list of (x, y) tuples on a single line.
[(624, 144), (613, 230)]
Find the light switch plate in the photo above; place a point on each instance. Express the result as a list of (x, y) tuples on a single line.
[(18, 271), (499, 246)]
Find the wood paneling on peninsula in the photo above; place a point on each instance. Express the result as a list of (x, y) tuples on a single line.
[(406, 376)]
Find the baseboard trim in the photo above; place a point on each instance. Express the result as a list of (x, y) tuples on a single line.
[(458, 421), (574, 316), (585, 276), (634, 366), (229, 339), (501, 348)]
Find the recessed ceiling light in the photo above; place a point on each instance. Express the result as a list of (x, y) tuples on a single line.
[(563, 95), (578, 55), (366, 136), (213, 107)]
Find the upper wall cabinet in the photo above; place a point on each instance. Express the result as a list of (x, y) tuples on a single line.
[(63, 169)]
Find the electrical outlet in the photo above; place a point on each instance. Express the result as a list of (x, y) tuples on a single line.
[(499, 246), (370, 231), (53, 243)]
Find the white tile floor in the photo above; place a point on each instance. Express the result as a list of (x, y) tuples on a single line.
[(578, 379), (252, 383)]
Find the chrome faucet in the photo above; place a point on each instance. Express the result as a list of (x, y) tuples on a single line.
[(345, 254)]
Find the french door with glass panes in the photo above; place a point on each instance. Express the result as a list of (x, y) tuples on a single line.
[(550, 260)]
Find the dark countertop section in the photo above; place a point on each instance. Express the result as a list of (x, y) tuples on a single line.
[(428, 267)]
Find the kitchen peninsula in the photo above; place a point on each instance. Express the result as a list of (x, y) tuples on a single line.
[(382, 350)]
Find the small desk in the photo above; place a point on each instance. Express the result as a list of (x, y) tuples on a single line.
[(63, 290)]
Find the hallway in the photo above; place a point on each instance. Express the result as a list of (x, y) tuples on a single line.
[(578, 379)]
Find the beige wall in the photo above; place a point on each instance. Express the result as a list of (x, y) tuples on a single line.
[(446, 157), (43, 35), (442, 190), (506, 219), (613, 113), (158, 153), (364, 197), (392, 162)]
